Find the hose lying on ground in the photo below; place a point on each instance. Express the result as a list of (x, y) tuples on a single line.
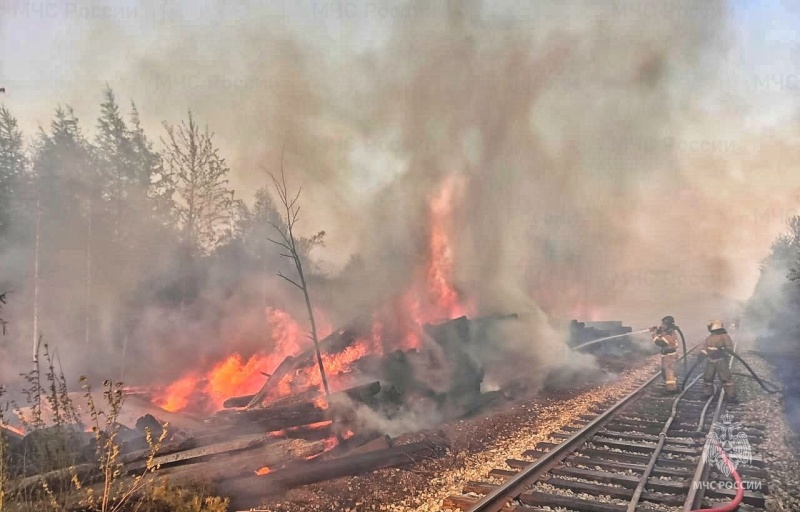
[(733, 504), (761, 383), (767, 386), (689, 372)]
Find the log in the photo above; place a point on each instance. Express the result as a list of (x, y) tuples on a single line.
[(235, 402), (274, 418), (285, 367), (382, 443), (332, 344), (166, 447), (184, 456), (248, 490), (57, 481), (246, 463), (362, 393)]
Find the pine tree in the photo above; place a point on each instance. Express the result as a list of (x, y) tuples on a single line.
[(68, 194), (115, 152), (150, 172), (13, 164), (199, 173)]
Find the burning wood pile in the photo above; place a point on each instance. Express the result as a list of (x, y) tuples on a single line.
[(289, 432)]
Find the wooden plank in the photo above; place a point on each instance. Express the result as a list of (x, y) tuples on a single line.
[(620, 493), (462, 502), (589, 488), (629, 481), (248, 490), (243, 443), (244, 463), (614, 466), (166, 448), (284, 368), (58, 480), (381, 443), (555, 500)]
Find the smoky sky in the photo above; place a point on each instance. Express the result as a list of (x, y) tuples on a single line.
[(606, 164)]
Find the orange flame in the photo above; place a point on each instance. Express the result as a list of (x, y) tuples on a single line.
[(330, 443), (6, 426), (431, 298), (234, 376), (441, 294), (176, 396), (263, 471)]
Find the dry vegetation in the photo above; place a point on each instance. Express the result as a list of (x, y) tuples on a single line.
[(65, 463)]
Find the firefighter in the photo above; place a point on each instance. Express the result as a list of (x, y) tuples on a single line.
[(718, 362), (665, 338)]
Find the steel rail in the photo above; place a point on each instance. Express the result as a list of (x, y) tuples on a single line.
[(662, 439), (496, 500), (695, 496)]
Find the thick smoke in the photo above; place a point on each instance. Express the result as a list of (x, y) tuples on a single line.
[(565, 130)]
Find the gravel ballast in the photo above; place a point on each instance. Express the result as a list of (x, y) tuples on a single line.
[(478, 445)]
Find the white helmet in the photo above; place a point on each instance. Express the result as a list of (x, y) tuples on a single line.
[(713, 325)]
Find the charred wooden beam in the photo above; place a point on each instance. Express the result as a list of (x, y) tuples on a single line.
[(273, 418), (381, 443), (244, 443), (247, 491), (237, 401), (57, 481), (166, 448), (282, 370), (244, 463)]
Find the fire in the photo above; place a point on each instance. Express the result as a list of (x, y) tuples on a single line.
[(177, 395), (11, 428), (263, 471), (430, 298), (441, 294), (235, 376), (330, 443)]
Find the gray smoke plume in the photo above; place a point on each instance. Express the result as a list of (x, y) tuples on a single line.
[(570, 134)]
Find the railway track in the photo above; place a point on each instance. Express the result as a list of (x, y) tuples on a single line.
[(645, 453)]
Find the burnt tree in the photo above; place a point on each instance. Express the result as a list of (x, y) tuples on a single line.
[(288, 243)]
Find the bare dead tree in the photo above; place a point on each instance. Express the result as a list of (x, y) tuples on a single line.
[(288, 243), (3, 323)]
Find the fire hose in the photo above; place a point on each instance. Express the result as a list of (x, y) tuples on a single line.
[(761, 382), (683, 342), (766, 386), (734, 504)]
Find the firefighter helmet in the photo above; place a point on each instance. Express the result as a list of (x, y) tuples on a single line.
[(714, 325), (668, 320)]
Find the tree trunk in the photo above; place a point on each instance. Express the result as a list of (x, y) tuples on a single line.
[(87, 319), (35, 343)]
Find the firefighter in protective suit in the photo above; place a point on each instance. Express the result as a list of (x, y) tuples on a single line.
[(665, 338), (718, 362)]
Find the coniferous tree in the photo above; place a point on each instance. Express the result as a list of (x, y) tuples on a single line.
[(200, 177), (68, 193), (151, 172), (13, 163)]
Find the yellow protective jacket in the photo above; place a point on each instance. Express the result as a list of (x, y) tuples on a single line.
[(714, 342), (669, 337)]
